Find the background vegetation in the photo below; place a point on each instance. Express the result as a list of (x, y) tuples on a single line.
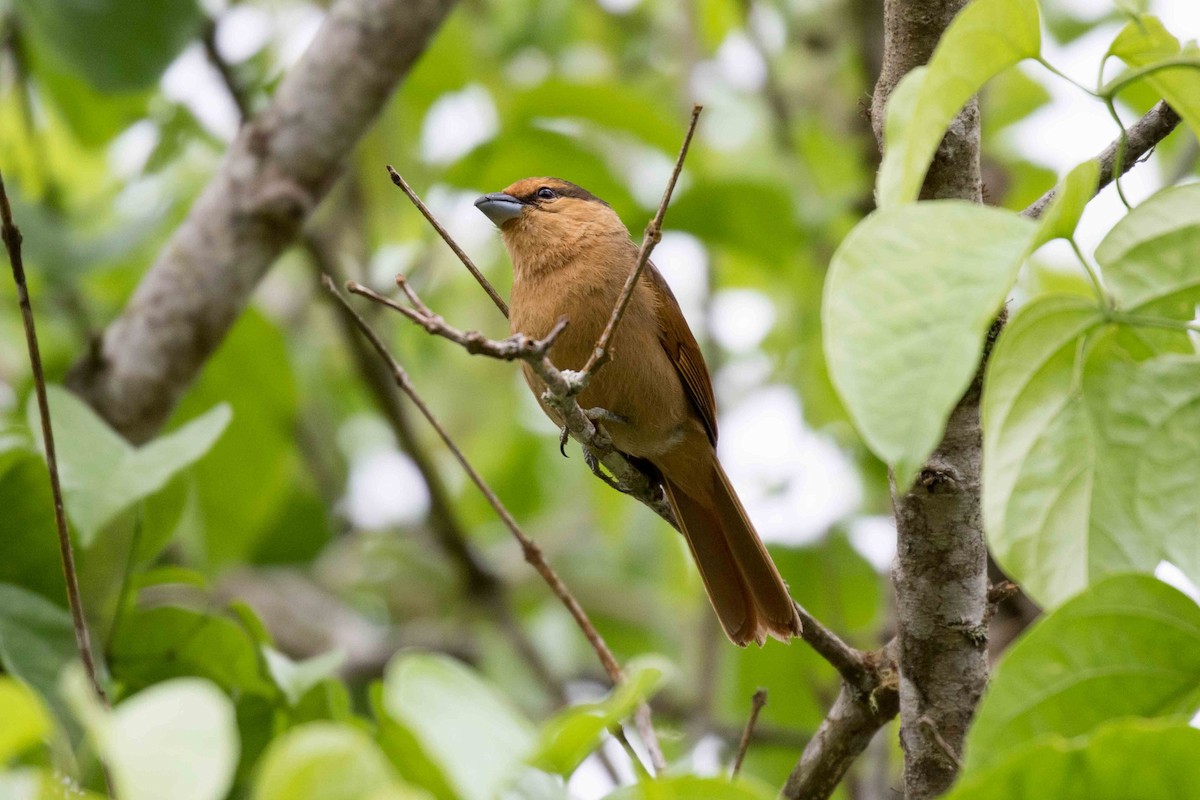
[(250, 574)]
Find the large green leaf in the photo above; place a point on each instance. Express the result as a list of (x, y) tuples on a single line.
[(37, 639), (1129, 646), (1088, 453), (1149, 257), (910, 296), (116, 44), (459, 726), (985, 38), (572, 735), (102, 474), (1145, 42), (177, 739), (25, 720), (1129, 760), (155, 644), (328, 761)]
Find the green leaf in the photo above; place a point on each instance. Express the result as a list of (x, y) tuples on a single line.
[(244, 481), (1148, 258), (296, 678), (1145, 42), (691, 787), (25, 720), (327, 761), (570, 736), (1128, 646), (177, 739), (911, 294), (1130, 760), (29, 555), (37, 640), (455, 723), (155, 644), (102, 475), (1070, 198), (1088, 454), (94, 39), (985, 38)]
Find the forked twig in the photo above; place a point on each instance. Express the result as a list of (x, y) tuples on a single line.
[(12, 242), (529, 548)]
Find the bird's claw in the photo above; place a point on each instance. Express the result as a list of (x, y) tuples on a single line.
[(563, 436), (594, 465), (604, 415)]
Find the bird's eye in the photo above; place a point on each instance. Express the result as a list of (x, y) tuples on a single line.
[(546, 193)]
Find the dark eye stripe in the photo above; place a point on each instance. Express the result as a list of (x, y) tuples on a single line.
[(562, 189)]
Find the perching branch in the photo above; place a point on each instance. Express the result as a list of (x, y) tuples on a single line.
[(560, 392), (530, 549), (12, 243), (650, 239), (277, 170), (1138, 141)]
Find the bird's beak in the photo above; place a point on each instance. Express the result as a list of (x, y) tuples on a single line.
[(499, 207)]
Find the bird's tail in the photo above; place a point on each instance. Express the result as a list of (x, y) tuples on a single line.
[(743, 584)]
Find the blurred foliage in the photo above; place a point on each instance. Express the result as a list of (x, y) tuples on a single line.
[(269, 471)]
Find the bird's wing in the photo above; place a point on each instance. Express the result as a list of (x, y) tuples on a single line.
[(677, 339)]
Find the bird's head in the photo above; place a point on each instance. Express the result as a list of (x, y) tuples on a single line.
[(546, 222)]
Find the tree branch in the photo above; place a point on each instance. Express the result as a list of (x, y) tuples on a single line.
[(12, 243), (277, 170), (940, 572), (756, 705), (560, 393), (845, 732), (1137, 142), (530, 549)]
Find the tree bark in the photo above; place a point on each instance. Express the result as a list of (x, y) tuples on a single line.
[(279, 167), (940, 573)]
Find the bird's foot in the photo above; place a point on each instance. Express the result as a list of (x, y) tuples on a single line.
[(604, 415), (594, 465)]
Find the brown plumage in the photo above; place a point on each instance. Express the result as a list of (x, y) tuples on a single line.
[(571, 256)]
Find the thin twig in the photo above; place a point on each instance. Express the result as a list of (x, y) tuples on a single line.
[(560, 393), (448, 239), (530, 549), (756, 705), (651, 238), (1116, 160), (12, 242)]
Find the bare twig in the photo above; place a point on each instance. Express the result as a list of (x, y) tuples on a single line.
[(756, 705), (530, 549), (651, 238), (1138, 141), (560, 393), (449, 240), (12, 242)]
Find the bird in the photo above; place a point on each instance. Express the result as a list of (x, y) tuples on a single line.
[(571, 257)]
